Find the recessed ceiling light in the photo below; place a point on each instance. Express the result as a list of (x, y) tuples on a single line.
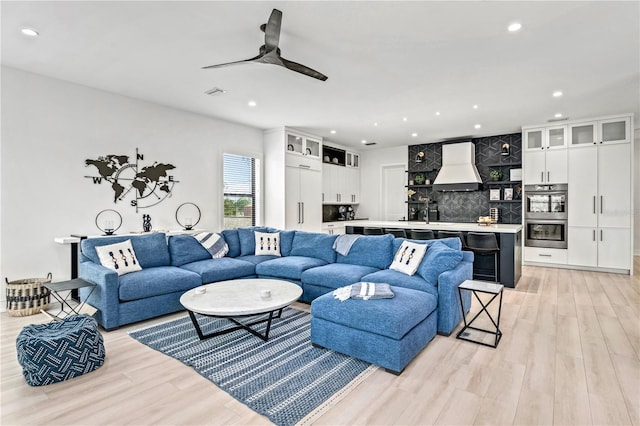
[(29, 32), (414, 135), (404, 118), (333, 132), (514, 27), (557, 94), (477, 126), (558, 115), (475, 107), (364, 141), (252, 103), (437, 112), (375, 124)]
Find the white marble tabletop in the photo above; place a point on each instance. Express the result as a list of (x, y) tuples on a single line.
[(241, 297)]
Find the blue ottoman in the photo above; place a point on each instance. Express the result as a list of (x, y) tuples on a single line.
[(385, 332), (60, 350)]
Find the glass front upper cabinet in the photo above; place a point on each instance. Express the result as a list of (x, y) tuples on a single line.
[(534, 139), (556, 137), (615, 130), (303, 145)]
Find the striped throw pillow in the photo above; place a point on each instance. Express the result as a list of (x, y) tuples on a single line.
[(214, 243)]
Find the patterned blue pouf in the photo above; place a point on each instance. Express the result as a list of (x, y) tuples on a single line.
[(60, 350)]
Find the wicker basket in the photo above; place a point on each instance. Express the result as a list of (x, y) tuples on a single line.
[(28, 296)]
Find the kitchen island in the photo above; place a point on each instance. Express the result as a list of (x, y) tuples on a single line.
[(509, 238)]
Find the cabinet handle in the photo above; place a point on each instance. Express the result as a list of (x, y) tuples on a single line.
[(548, 176), (323, 198), (544, 255), (601, 235), (299, 212), (601, 202), (304, 166), (594, 235), (542, 177), (594, 204)]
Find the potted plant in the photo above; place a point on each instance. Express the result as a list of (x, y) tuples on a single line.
[(495, 174), (419, 179)]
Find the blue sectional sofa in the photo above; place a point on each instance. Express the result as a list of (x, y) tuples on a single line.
[(172, 265)]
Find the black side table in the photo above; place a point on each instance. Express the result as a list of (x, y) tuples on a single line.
[(481, 287), (65, 307)]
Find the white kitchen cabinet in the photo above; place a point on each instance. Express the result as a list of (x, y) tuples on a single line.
[(300, 144), (303, 209), (545, 255), (292, 180), (333, 229), (599, 212), (545, 155), (605, 131), (340, 185), (352, 159)]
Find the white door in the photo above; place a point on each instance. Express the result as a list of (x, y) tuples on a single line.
[(310, 200), (582, 246), (556, 165), (583, 186), (534, 167), (614, 247), (614, 184), (394, 193)]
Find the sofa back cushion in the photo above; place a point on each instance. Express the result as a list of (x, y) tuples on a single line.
[(248, 239), (438, 259), (151, 250), (311, 244), (186, 249), (369, 250), (233, 241), (452, 242)]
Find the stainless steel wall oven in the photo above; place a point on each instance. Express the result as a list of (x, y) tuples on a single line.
[(546, 208)]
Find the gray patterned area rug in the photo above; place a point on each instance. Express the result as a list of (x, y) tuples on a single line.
[(285, 379)]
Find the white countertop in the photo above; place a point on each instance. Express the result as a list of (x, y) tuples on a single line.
[(444, 226)]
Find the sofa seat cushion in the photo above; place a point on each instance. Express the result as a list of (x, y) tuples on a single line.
[(392, 318), (335, 275), (395, 278), (290, 267), (156, 281), (375, 251), (256, 259), (225, 268)]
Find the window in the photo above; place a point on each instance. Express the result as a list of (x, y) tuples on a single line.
[(241, 191)]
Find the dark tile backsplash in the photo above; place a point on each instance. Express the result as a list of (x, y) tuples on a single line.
[(468, 206)]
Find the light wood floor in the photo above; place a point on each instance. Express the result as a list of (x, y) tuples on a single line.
[(569, 356)]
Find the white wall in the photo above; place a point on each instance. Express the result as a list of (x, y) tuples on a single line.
[(372, 161), (49, 128)]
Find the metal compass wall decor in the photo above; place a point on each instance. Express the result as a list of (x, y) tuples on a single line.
[(144, 186)]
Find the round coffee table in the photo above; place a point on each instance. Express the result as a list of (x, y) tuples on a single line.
[(240, 298)]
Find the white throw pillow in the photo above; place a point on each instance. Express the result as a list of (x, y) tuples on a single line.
[(119, 257), (408, 257), (267, 243)]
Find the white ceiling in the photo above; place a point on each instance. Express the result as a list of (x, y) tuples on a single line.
[(384, 60)]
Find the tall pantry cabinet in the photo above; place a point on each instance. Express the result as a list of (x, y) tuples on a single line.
[(600, 193), (292, 180)]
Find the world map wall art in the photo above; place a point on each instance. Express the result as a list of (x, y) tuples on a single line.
[(143, 186)]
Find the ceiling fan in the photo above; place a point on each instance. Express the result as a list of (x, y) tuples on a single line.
[(270, 52)]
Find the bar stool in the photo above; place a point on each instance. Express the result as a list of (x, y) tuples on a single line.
[(422, 234), (453, 234), (484, 244), (372, 231), (397, 232)]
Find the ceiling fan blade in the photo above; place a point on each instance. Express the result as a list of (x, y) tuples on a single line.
[(256, 59), (294, 66), (272, 30)]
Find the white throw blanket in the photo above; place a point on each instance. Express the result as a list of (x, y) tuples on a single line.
[(343, 243), (364, 291)]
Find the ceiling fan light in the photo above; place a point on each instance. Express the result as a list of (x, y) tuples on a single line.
[(29, 32)]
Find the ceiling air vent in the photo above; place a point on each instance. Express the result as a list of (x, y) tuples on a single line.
[(215, 91), (369, 143)]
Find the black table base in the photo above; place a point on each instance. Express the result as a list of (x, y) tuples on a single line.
[(239, 325)]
